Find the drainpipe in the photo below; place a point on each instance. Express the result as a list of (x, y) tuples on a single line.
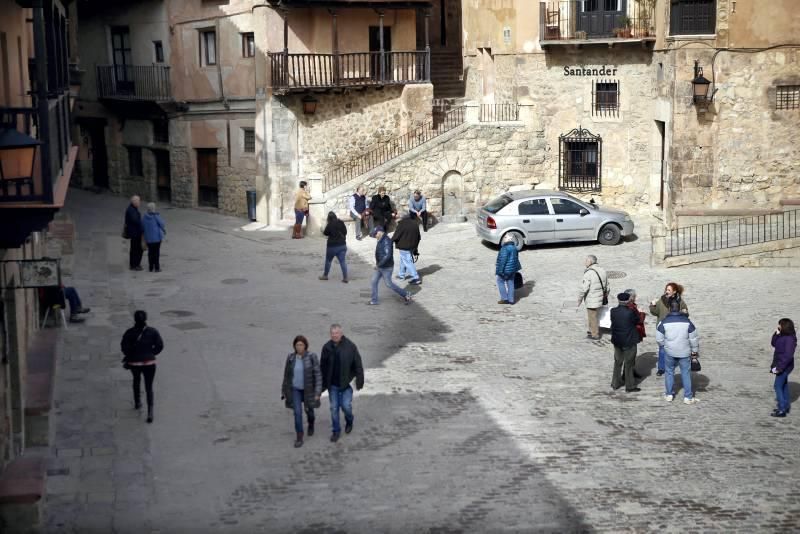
[(219, 66)]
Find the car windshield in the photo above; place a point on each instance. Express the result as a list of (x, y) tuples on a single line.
[(497, 204)]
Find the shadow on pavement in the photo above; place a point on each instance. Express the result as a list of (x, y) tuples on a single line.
[(525, 290), (429, 269), (794, 391), (404, 448), (645, 363)]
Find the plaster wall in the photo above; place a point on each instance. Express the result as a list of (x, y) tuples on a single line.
[(485, 22)]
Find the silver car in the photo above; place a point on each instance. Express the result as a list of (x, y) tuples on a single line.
[(549, 217)]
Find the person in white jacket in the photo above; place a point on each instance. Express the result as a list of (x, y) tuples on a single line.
[(594, 292)]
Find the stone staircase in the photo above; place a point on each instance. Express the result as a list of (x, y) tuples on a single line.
[(447, 74)]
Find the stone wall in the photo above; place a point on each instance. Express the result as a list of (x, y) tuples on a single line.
[(184, 192)]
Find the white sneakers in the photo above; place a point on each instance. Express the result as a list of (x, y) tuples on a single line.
[(690, 401), (669, 398)]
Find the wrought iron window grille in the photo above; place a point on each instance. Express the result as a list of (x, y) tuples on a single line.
[(787, 97), (580, 161), (605, 98), (249, 140)]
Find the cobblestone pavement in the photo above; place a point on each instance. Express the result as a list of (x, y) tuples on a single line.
[(475, 417)]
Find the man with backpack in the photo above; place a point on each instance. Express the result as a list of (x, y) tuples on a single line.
[(594, 293)]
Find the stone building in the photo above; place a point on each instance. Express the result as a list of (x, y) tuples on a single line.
[(36, 162)]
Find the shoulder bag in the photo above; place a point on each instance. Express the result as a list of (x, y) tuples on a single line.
[(605, 291)]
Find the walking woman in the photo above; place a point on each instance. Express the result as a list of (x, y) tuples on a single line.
[(301, 199), (336, 246), (785, 342), (660, 308), (140, 345), (154, 232), (302, 384), (506, 267)]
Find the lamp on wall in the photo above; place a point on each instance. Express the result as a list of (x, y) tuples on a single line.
[(309, 105), (700, 87), (17, 157)]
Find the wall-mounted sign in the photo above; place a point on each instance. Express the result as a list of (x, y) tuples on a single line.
[(31, 273), (580, 70)]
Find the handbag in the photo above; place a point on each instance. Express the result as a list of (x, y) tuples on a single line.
[(125, 232), (695, 364), (518, 280), (605, 291)]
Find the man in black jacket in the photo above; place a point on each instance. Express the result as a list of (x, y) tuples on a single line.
[(407, 238), (625, 337), (340, 362), (133, 231), (384, 265), (383, 211)]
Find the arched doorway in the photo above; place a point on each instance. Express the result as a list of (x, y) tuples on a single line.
[(453, 197)]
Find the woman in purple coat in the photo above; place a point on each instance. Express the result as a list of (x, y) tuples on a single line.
[(785, 342)]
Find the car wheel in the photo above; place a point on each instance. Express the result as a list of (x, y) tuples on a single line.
[(519, 241), (609, 235)]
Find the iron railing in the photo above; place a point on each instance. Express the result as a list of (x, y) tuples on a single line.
[(499, 112), (392, 148), (319, 71), (580, 161), (595, 19), (134, 82), (732, 233)]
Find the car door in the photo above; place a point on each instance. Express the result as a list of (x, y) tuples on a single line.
[(535, 218), (570, 225)]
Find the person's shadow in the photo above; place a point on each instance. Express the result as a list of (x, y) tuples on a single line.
[(794, 392), (525, 290), (645, 364)]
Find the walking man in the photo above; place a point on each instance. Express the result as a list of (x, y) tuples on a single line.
[(357, 205), (594, 292), (384, 265), (677, 334), (407, 238), (624, 337), (417, 205), (340, 362), (133, 231)]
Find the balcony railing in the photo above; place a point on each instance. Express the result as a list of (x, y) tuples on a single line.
[(134, 82), (568, 20), (51, 155), (354, 69)]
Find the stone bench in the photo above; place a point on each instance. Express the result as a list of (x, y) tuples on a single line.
[(41, 359), (22, 490)]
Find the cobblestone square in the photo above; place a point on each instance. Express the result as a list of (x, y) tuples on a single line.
[(474, 418)]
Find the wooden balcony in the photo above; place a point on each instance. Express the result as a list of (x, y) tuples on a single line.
[(303, 72), (148, 83)]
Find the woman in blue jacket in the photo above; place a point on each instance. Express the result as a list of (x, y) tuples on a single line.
[(154, 231), (785, 342), (505, 268)]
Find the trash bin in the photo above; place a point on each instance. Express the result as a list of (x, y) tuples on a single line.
[(251, 204)]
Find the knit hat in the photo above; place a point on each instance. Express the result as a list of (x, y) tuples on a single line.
[(623, 297)]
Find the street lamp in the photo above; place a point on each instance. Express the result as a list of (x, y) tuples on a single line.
[(309, 105), (17, 157), (700, 86)]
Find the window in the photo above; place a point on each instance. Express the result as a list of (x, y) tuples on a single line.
[(692, 17), (497, 204), (605, 98), (135, 161), (161, 131), (535, 206), (787, 97), (248, 45), (159, 51), (580, 161), (208, 47), (562, 206), (249, 140)]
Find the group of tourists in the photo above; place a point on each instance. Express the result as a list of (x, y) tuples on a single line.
[(144, 231)]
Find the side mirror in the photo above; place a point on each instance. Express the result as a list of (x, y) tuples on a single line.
[(583, 212)]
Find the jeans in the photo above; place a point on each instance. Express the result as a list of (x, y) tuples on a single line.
[(624, 361), (782, 390), (71, 294), (298, 216), (339, 252), (386, 274), (506, 288), (154, 256), (136, 252), (340, 398), (407, 265), (686, 375), (149, 372), (661, 355), (297, 403), (357, 225)]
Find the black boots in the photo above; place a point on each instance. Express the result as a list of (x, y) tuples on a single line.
[(150, 413), (299, 441), (310, 427)]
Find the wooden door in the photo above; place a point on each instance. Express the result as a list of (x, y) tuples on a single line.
[(163, 177), (121, 55), (95, 128), (375, 48), (207, 177)]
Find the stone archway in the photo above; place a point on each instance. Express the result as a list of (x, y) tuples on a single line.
[(452, 197)]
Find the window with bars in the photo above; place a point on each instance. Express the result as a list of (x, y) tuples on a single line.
[(605, 98), (135, 161), (161, 131), (692, 17), (249, 140), (208, 47), (787, 97), (580, 161), (248, 44)]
